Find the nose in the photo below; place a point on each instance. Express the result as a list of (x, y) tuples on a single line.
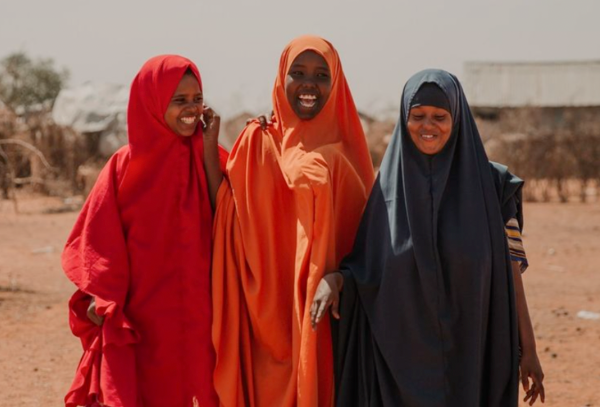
[(308, 82), (192, 105), (428, 123)]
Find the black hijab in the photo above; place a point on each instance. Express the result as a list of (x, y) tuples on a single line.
[(428, 313)]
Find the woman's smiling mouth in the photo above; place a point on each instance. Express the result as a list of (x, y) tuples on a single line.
[(189, 120), (307, 101)]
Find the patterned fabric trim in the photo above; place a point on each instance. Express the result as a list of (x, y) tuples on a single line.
[(515, 244)]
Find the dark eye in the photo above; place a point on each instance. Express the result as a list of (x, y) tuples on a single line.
[(198, 99), (440, 117), (296, 73), (417, 116), (178, 100)]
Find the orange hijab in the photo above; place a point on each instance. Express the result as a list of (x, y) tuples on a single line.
[(286, 215)]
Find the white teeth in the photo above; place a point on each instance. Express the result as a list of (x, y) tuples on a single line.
[(308, 103), (189, 120), (427, 136)]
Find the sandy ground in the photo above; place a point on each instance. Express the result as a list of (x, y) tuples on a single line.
[(38, 354)]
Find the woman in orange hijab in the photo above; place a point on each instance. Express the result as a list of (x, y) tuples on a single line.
[(286, 215)]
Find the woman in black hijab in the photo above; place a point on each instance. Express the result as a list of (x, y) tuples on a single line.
[(433, 311)]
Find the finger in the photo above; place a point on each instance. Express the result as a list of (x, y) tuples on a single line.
[(97, 320), (321, 311), (533, 398), (335, 309), (525, 379), (538, 385), (209, 113), (91, 314), (312, 311), (263, 122), (216, 120)]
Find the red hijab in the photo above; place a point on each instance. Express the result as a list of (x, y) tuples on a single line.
[(142, 247)]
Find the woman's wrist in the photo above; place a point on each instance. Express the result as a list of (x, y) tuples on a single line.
[(528, 349), (210, 142), (339, 280)]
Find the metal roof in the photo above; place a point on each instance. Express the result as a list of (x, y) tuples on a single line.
[(545, 84)]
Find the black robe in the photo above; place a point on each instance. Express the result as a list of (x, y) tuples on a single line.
[(428, 315)]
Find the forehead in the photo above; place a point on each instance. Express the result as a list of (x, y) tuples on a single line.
[(310, 58), (428, 109), (188, 83)]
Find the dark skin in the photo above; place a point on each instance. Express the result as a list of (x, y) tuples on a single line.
[(307, 87), (308, 84), (185, 111), (430, 128)]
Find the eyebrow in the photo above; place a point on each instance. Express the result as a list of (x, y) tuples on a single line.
[(178, 95)]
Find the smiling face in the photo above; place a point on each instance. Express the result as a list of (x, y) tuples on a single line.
[(185, 108), (430, 128), (308, 84)]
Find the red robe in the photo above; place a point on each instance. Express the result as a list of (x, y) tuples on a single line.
[(142, 248)]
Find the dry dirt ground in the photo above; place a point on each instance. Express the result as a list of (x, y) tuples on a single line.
[(38, 354)]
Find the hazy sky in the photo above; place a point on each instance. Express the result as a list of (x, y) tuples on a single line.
[(237, 44)]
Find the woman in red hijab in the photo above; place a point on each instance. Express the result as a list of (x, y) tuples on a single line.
[(140, 252), (286, 216)]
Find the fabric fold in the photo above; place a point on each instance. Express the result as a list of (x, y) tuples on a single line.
[(294, 196), (142, 248), (428, 301)]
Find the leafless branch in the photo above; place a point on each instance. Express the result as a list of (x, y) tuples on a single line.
[(30, 147)]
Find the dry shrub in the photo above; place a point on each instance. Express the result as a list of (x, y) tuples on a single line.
[(556, 150), (36, 153)]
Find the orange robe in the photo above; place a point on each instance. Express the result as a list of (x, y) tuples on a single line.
[(286, 215)]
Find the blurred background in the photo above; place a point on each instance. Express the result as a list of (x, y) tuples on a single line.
[(530, 70)]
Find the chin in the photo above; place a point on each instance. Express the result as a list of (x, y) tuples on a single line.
[(307, 115), (186, 133)]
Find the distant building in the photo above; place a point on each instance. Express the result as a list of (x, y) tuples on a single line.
[(542, 119), (534, 98), (539, 84)]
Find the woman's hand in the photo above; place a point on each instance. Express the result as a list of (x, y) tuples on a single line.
[(91, 313), (212, 123), (327, 294), (531, 368), (264, 120)]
